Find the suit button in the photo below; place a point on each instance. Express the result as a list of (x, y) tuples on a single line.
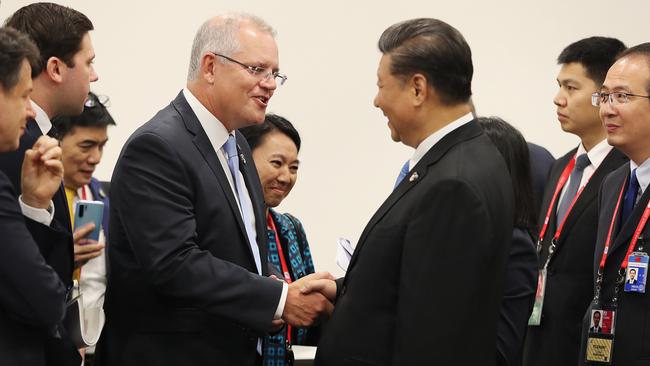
[(343, 290)]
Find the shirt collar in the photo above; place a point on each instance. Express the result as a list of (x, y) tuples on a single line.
[(597, 153), (42, 120), (642, 173), (433, 139), (216, 131)]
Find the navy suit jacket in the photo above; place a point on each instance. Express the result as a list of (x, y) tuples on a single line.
[(32, 297), (430, 264), (182, 287)]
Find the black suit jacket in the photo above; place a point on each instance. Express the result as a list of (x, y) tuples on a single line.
[(32, 297), (541, 163), (568, 288), (54, 241), (632, 327), (183, 288), (518, 298), (61, 255), (426, 279)]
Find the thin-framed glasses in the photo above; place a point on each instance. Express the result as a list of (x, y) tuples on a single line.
[(614, 98), (280, 79), (91, 102)]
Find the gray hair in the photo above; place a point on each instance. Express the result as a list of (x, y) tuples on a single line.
[(221, 37)]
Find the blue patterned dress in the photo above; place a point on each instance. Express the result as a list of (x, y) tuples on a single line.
[(300, 264)]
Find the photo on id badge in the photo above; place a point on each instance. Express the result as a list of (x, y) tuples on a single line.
[(602, 322), (635, 276)]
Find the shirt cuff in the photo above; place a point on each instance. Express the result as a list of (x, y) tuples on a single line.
[(40, 215), (283, 300)]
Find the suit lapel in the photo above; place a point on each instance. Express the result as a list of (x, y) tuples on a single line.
[(558, 167), (627, 230), (204, 146), (468, 131)]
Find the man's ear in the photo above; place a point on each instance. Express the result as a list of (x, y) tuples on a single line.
[(420, 89), (207, 67), (53, 69)]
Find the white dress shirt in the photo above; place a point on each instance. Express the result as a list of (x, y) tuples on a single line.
[(642, 175), (435, 137), (218, 135)]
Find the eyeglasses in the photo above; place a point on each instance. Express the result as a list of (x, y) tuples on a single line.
[(257, 71), (91, 102), (614, 98)]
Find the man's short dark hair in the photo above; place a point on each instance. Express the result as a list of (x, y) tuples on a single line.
[(57, 30), (595, 54), (15, 47), (640, 50), (255, 134), (94, 114), (435, 49)]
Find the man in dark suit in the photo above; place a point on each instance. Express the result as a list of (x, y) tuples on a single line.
[(450, 216), (187, 280), (541, 162), (624, 101), (556, 339), (32, 297), (61, 84)]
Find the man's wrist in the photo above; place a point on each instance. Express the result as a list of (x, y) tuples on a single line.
[(35, 202)]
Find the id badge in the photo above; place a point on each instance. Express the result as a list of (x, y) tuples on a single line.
[(635, 275), (600, 339), (536, 316)]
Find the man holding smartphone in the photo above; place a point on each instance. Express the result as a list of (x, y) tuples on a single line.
[(82, 140)]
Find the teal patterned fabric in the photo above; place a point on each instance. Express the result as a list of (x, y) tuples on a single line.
[(300, 264)]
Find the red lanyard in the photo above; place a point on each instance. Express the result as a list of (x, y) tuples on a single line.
[(635, 237), (83, 193), (283, 262), (558, 188)]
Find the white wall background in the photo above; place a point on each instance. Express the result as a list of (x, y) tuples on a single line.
[(328, 50)]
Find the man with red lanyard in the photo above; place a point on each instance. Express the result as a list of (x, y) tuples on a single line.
[(624, 101), (568, 216)]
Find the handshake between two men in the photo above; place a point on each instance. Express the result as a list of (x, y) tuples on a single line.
[(309, 299)]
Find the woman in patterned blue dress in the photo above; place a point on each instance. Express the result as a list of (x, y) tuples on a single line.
[(275, 145)]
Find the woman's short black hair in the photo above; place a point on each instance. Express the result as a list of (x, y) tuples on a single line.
[(514, 149), (255, 134)]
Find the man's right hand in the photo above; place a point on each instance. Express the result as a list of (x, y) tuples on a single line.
[(303, 309), (42, 172)]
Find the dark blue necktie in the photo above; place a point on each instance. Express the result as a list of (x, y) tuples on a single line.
[(402, 174), (233, 163), (630, 197), (574, 183)]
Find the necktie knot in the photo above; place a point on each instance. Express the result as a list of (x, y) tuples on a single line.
[(582, 162), (402, 174), (231, 147)]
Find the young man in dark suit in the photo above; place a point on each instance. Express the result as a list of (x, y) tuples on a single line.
[(555, 337), (188, 267), (61, 83), (624, 101), (32, 296), (450, 216)]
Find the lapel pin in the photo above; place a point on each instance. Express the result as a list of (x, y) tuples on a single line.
[(414, 176), (242, 158)]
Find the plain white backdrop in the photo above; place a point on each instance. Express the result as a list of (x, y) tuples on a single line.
[(328, 50)]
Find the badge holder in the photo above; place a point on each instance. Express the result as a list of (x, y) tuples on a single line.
[(602, 327), (636, 273), (536, 315)]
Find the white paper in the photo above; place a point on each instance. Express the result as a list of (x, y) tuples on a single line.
[(344, 252), (304, 352)]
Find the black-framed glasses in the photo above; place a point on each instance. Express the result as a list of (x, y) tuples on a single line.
[(614, 98), (257, 71), (93, 100)]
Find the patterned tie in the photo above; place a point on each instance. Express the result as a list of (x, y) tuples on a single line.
[(630, 198), (402, 174), (574, 183), (233, 163)]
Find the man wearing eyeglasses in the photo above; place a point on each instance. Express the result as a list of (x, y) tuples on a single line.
[(61, 84), (188, 281), (554, 337), (624, 101)]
